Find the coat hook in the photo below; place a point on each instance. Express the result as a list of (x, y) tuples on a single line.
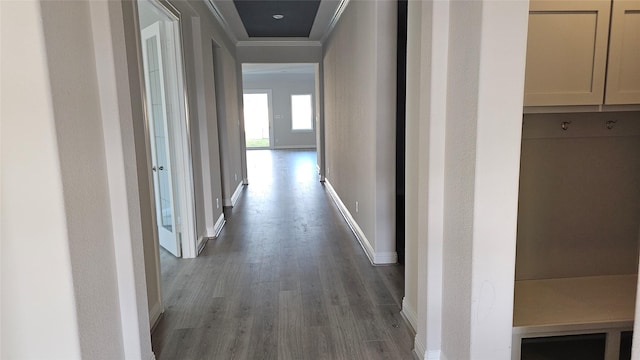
[(610, 124), (564, 125)]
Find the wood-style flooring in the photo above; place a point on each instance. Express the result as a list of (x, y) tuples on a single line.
[(286, 279)]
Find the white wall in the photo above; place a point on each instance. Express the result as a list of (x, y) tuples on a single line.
[(228, 122), (198, 34), (359, 93), (38, 301), (468, 122), (282, 87), (87, 272), (279, 52)]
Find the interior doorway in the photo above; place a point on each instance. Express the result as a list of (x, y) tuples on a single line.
[(282, 108), (166, 117), (258, 119)]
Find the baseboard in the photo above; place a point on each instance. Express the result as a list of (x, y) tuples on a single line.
[(219, 225), (409, 315), (421, 353), (155, 314), (294, 147), (381, 258), (234, 197), (236, 194), (202, 242), (419, 349), (386, 258)]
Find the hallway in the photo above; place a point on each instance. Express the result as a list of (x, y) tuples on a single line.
[(286, 279)]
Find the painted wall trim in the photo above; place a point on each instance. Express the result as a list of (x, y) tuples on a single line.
[(200, 244), (219, 225), (302, 43), (236, 194), (221, 20), (381, 258), (409, 314), (419, 348), (300, 147), (153, 356), (434, 355), (353, 225), (339, 10), (155, 313)]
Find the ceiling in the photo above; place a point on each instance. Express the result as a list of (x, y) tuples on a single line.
[(304, 20), (260, 17)]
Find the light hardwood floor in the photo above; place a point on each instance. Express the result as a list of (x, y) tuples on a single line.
[(286, 279)]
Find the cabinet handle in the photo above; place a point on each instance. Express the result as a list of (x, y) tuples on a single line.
[(564, 125)]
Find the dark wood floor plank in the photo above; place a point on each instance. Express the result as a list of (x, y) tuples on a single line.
[(264, 336), (382, 350), (286, 279), (290, 344), (319, 343)]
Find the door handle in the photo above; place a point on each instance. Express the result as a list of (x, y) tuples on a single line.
[(157, 168), (153, 168), (161, 167)]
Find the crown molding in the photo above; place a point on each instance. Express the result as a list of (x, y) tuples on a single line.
[(334, 20), (276, 43), (221, 20)]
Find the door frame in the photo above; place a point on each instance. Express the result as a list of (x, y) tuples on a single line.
[(269, 93), (180, 137)]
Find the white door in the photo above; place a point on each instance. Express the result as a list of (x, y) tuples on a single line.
[(157, 112)]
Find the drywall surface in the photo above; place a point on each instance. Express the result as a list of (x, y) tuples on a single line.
[(579, 204), (279, 53), (203, 176), (228, 122), (462, 93), (499, 130), (38, 300), (359, 88), (77, 109), (114, 79), (468, 122), (428, 28), (212, 33), (282, 86), (412, 142)]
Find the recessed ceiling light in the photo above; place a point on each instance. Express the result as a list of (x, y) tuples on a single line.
[(278, 16)]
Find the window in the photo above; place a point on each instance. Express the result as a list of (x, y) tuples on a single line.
[(301, 112)]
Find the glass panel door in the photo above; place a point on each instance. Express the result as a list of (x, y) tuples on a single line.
[(157, 112)]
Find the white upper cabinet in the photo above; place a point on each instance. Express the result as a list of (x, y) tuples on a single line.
[(623, 71), (569, 45)]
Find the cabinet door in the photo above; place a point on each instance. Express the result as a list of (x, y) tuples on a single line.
[(566, 52), (623, 75)]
